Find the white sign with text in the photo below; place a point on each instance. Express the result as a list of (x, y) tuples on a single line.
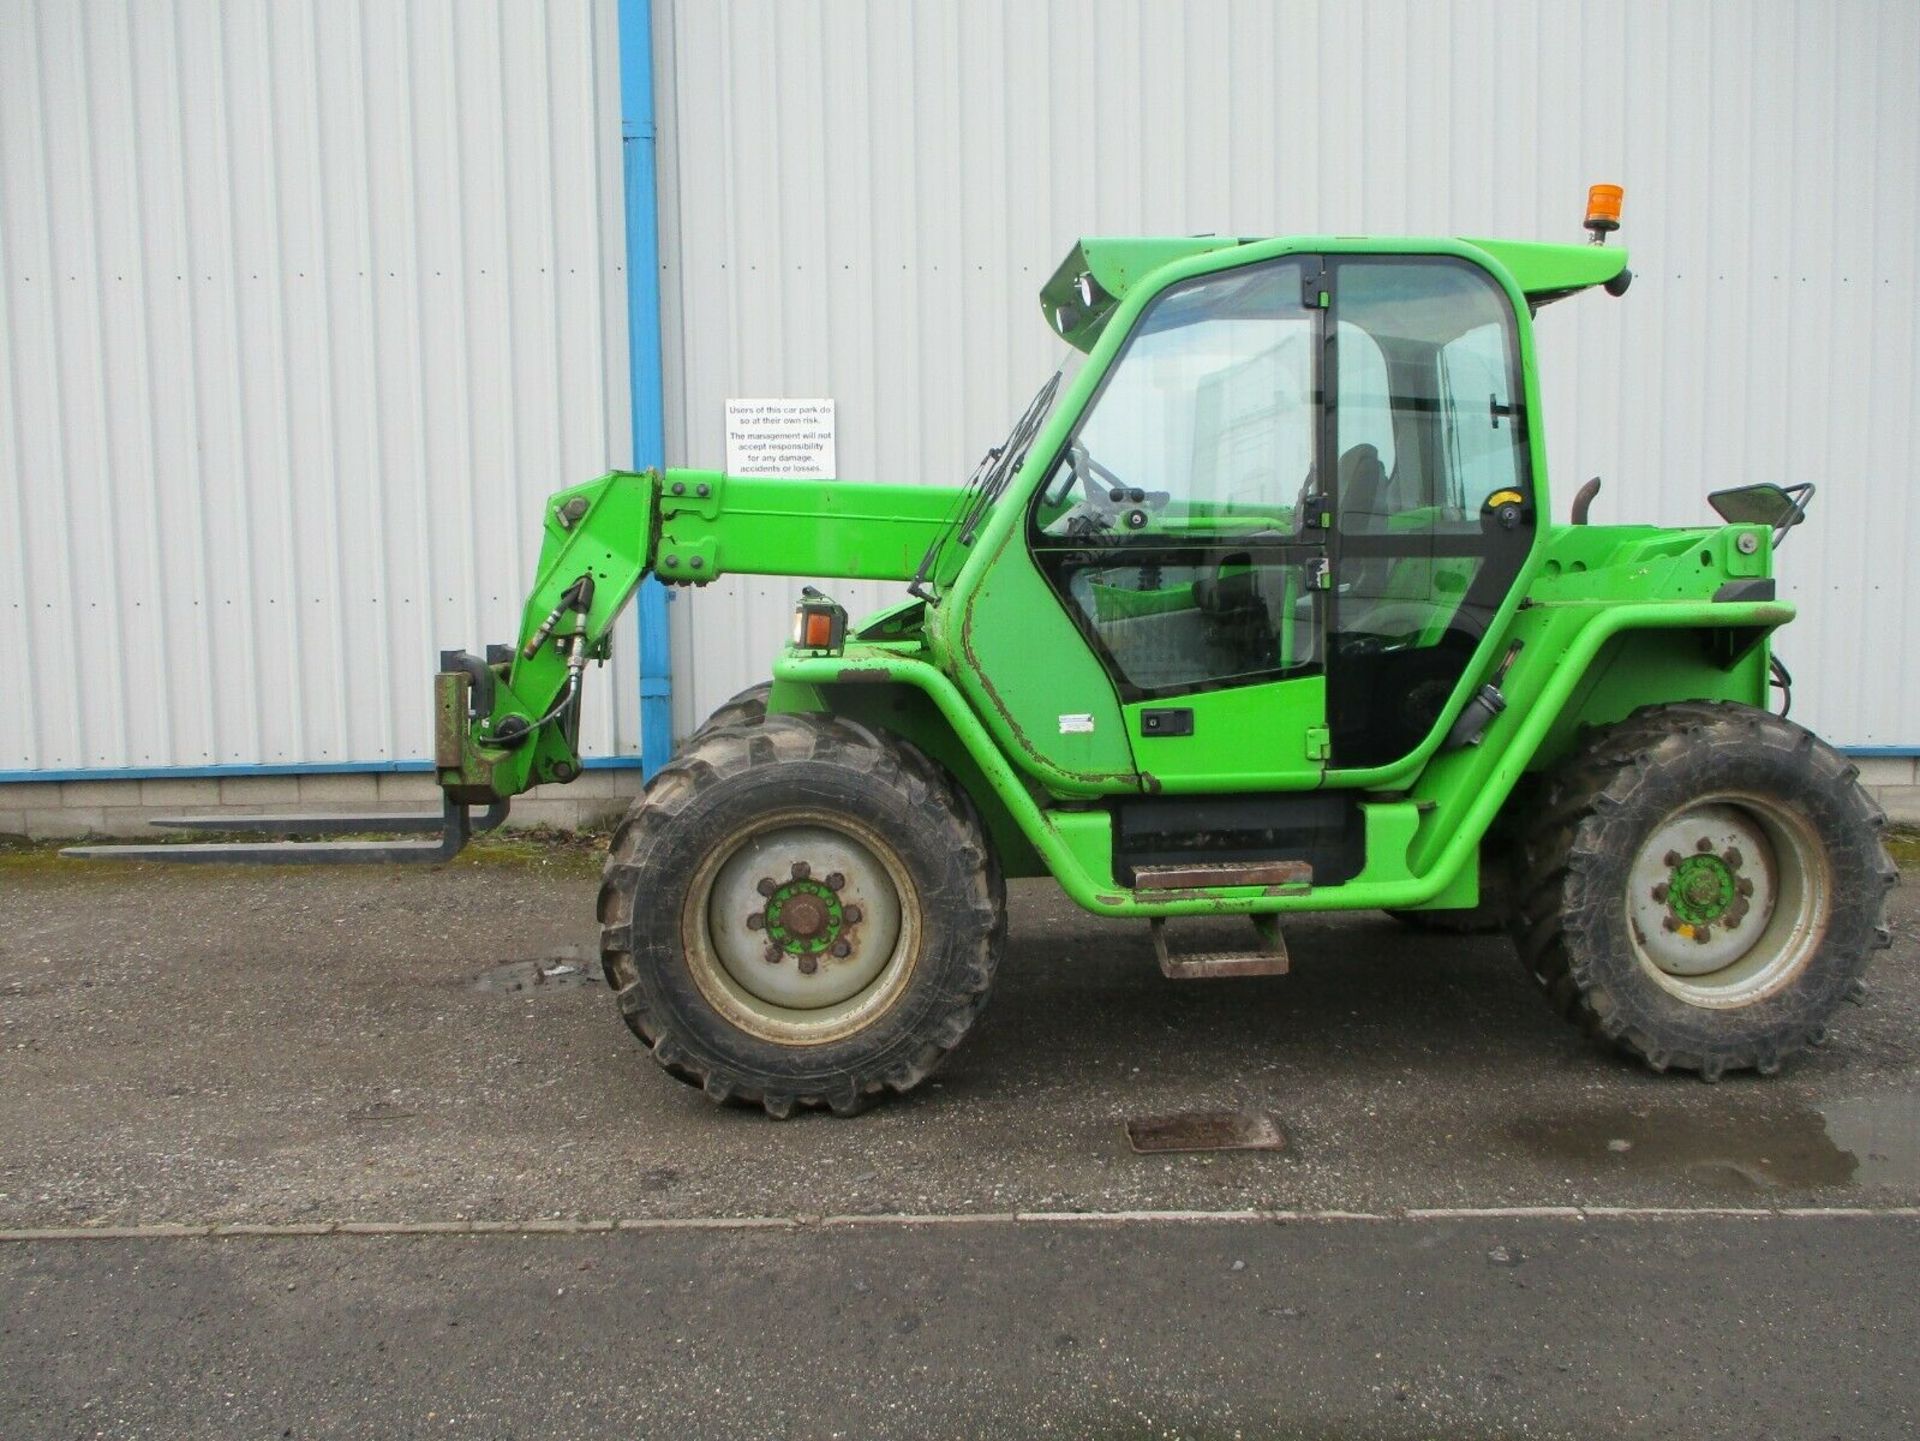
[(791, 438)]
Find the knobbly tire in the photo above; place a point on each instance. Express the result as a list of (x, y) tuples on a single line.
[(1703, 886), (747, 708), (801, 912)]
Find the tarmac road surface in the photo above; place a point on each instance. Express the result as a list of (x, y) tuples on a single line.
[(293, 1052)]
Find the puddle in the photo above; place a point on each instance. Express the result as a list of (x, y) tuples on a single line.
[(1867, 1141), (1731, 1151), (1883, 1133), (561, 968)]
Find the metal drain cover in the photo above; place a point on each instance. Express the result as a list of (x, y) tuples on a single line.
[(1206, 1131)]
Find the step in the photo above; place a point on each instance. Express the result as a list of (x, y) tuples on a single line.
[(1195, 875), (1269, 959)]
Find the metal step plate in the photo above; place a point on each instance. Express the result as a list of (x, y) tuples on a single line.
[(1270, 959), (1222, 965), (1195, 874)]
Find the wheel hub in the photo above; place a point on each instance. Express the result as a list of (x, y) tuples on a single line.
[(1702, 890), (803, 918)]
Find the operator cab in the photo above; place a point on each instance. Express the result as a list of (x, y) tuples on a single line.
[(1310, 475)]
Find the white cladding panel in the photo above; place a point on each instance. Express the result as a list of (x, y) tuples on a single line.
[(862, 200), (306, 305)]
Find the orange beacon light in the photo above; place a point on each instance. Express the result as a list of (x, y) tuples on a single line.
[(1603, 210)]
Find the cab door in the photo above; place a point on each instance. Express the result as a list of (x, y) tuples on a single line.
[(1184, 532), (1433, 500)]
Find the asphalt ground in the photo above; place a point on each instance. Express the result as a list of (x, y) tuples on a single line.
[(1457, 1329), (306, 1049)]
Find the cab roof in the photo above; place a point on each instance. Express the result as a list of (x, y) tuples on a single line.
[(1098, 272)]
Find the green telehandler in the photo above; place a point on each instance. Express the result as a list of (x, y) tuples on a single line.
[(1259, 610)]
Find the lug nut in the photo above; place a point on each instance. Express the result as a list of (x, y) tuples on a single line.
[(801, 870), (808, 965), (1673, 858), (756, 921), (1660, 891), (774, 954), (1704, 845), (1731, 855), (1703, 934), (842, 949), (767, 885), (835, 881), (1669, 923), (851, 915)]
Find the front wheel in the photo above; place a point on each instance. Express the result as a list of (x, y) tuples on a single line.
[(748, 708), (1704, 887), (798, 913)]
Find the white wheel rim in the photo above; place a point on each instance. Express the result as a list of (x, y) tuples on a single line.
[(1727, 900), (803, 929)]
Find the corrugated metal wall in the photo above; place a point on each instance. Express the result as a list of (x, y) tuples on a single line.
[(861, 201), (306, 305)]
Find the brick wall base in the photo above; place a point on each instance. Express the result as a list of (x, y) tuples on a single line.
[(66, 810)]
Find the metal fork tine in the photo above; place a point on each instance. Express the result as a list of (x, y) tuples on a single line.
[(307, 825), (455, 824)]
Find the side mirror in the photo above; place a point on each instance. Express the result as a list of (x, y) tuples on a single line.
[(1775, 506)]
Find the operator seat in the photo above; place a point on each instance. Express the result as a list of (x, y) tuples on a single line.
[(1363, 487), (1374, 596)]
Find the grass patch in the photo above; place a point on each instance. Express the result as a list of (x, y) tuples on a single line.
[(570, 852), (18, 854), (1903, 844)]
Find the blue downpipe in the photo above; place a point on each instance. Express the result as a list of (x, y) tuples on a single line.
[(643, 353)]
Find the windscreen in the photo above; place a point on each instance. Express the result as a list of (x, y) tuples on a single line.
[(986, 484)]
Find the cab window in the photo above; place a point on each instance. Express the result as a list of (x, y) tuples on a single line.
[(1170, 525)]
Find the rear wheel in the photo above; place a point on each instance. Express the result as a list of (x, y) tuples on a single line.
[(799, 913), (1704, 886)]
